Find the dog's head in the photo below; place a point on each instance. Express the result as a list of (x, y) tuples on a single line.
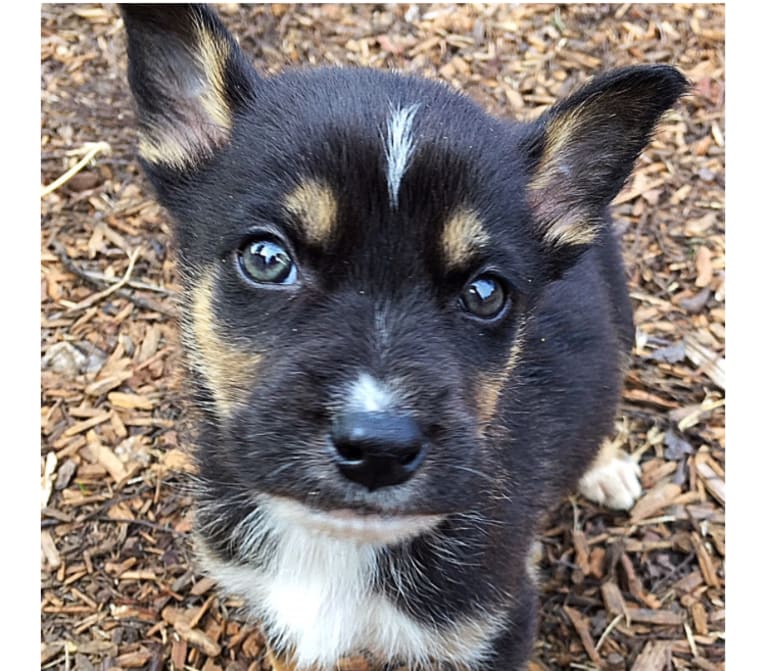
[(382, 310)]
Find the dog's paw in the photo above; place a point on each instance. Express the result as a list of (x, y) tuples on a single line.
[(613, 482)]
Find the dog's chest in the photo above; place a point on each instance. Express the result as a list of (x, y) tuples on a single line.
[(316, 597)]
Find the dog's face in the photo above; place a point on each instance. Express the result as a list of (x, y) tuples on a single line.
[(382, 311), (360, 269)]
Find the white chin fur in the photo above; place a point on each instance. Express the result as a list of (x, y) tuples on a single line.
[(345, 524)]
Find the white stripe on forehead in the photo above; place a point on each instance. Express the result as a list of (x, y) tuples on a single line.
[(399, 146)]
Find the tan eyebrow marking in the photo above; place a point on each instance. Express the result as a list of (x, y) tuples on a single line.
[(315, 207), (462, 237)]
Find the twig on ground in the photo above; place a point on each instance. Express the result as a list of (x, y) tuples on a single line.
[(93, 149), (99, 279), (95, 298), (142, 303)]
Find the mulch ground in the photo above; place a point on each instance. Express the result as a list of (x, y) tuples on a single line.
[(643, 590)]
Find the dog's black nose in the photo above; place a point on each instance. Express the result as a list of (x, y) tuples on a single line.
[(378, 449)]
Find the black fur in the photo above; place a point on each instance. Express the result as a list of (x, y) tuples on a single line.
[(569, 301)]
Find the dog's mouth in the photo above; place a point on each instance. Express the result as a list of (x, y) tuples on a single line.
[(348, 524)]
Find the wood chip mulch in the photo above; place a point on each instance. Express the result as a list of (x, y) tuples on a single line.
[(641, 591)]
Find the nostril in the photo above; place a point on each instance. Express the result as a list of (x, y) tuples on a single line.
[(409, 458), (378, 449), (350, 452)]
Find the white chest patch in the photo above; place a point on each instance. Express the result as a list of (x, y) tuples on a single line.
[(399, 147), (316, 597)]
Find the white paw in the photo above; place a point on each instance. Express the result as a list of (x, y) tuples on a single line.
[(613, 483)]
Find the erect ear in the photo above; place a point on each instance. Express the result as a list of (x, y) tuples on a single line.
[(583, 149), (188, 77)]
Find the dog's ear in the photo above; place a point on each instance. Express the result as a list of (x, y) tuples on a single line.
[(189, 79), (582, 150)]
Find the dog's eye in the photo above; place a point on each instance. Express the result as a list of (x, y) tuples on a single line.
[(484, 297), (266, 262)]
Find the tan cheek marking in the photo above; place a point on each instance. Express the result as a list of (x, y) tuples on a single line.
[(491, 385), (228, 371), (462, 237), (315, 207)]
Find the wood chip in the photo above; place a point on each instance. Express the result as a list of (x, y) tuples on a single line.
[(582, 627), (102, 386), (202, 586), (709, 363), (612, 596), (581, 551), (276, 663), (138, 575), (179, 460), (81, 427), (711, 480), (134, 660), (197, 638), (649, 616), (52, 555), (253, 644), (49, 476), (699, 618), (655, 500), (356, 663), (706, 565), (689, 582), (130, 401), (704, 267), (178, 652), (107, 458), (655, 656)]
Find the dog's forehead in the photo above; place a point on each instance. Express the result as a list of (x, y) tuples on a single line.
[(390, 170)]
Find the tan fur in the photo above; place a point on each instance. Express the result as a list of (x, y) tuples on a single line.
[(558, 133), (463, 235), (205, 124), (570, 225), (212, 56), (170, 147), (571, 229), (316, 209), (227, 370), (491, 385)]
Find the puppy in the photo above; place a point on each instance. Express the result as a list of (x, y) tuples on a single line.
[(405, 323)]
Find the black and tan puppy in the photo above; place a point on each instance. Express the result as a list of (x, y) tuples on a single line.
[(406, 323)]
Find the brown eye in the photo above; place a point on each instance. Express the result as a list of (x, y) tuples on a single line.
[(485, 297), (266, 261)]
